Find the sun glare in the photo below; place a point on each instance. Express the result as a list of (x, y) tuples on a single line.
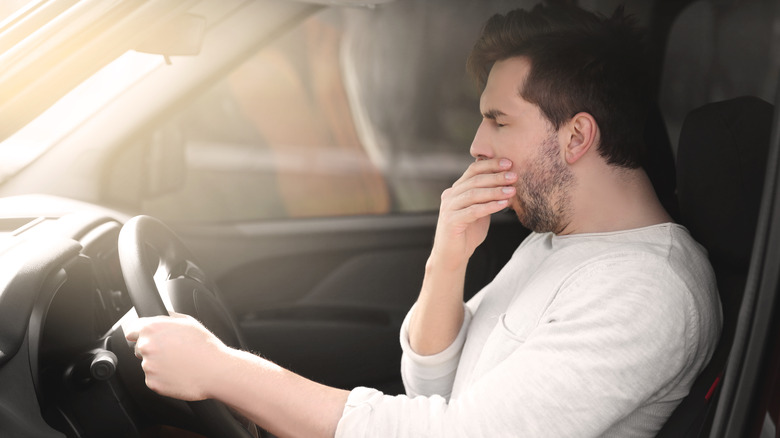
[(36, 137)]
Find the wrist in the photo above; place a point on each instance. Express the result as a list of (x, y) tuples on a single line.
[(221, 366), (446, 265)]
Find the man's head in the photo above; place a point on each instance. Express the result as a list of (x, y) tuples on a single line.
[(515, 128), (579, 62)]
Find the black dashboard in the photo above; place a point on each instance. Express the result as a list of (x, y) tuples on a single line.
[(66, 369), (61, 297)]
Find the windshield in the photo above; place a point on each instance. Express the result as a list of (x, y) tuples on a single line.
[(44, 131), (10, 7)]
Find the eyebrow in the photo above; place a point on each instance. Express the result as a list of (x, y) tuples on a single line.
[(492, 114)]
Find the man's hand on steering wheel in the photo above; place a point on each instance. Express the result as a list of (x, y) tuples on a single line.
[(178, 355)]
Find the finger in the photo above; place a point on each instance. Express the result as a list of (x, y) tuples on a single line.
[(493, 165), (132, 330), (455, 201), (480, 189), (476, 212), (140, 346), (488, 180), (485, 166)]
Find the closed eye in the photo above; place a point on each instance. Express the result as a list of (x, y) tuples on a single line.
[(494, 115)]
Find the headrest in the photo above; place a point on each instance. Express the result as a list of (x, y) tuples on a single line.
[(721, 161)]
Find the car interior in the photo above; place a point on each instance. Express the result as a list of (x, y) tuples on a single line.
[(725, 138), (324, 295)]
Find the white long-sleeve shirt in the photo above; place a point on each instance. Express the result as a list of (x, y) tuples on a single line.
[(578, 336)]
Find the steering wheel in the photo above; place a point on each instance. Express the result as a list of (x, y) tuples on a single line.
[(147, 248)]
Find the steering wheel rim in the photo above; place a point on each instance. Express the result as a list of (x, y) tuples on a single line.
[(144, 236)]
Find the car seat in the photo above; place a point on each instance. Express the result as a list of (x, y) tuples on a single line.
[(721, 162)]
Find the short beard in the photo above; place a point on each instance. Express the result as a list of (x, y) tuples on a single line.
[(543, 192)]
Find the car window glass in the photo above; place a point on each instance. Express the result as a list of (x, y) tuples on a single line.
[(354, 111), (30, 142), (326, 121), (9, 8), (281, 136), (767, 417), (275, 138)]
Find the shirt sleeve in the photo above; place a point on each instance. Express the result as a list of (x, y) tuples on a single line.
[(608, 344), (434, 374)]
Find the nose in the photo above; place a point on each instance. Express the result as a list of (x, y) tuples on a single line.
[(480, 146)]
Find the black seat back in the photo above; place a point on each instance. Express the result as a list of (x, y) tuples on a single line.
[(721, 161)]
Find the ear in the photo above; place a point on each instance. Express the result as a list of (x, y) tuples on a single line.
[(581, 134)]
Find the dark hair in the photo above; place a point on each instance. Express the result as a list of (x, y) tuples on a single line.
[(580, 61)]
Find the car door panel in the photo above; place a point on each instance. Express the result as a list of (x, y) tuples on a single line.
[(326, 298)]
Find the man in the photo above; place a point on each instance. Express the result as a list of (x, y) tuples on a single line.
[(597, 326)]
